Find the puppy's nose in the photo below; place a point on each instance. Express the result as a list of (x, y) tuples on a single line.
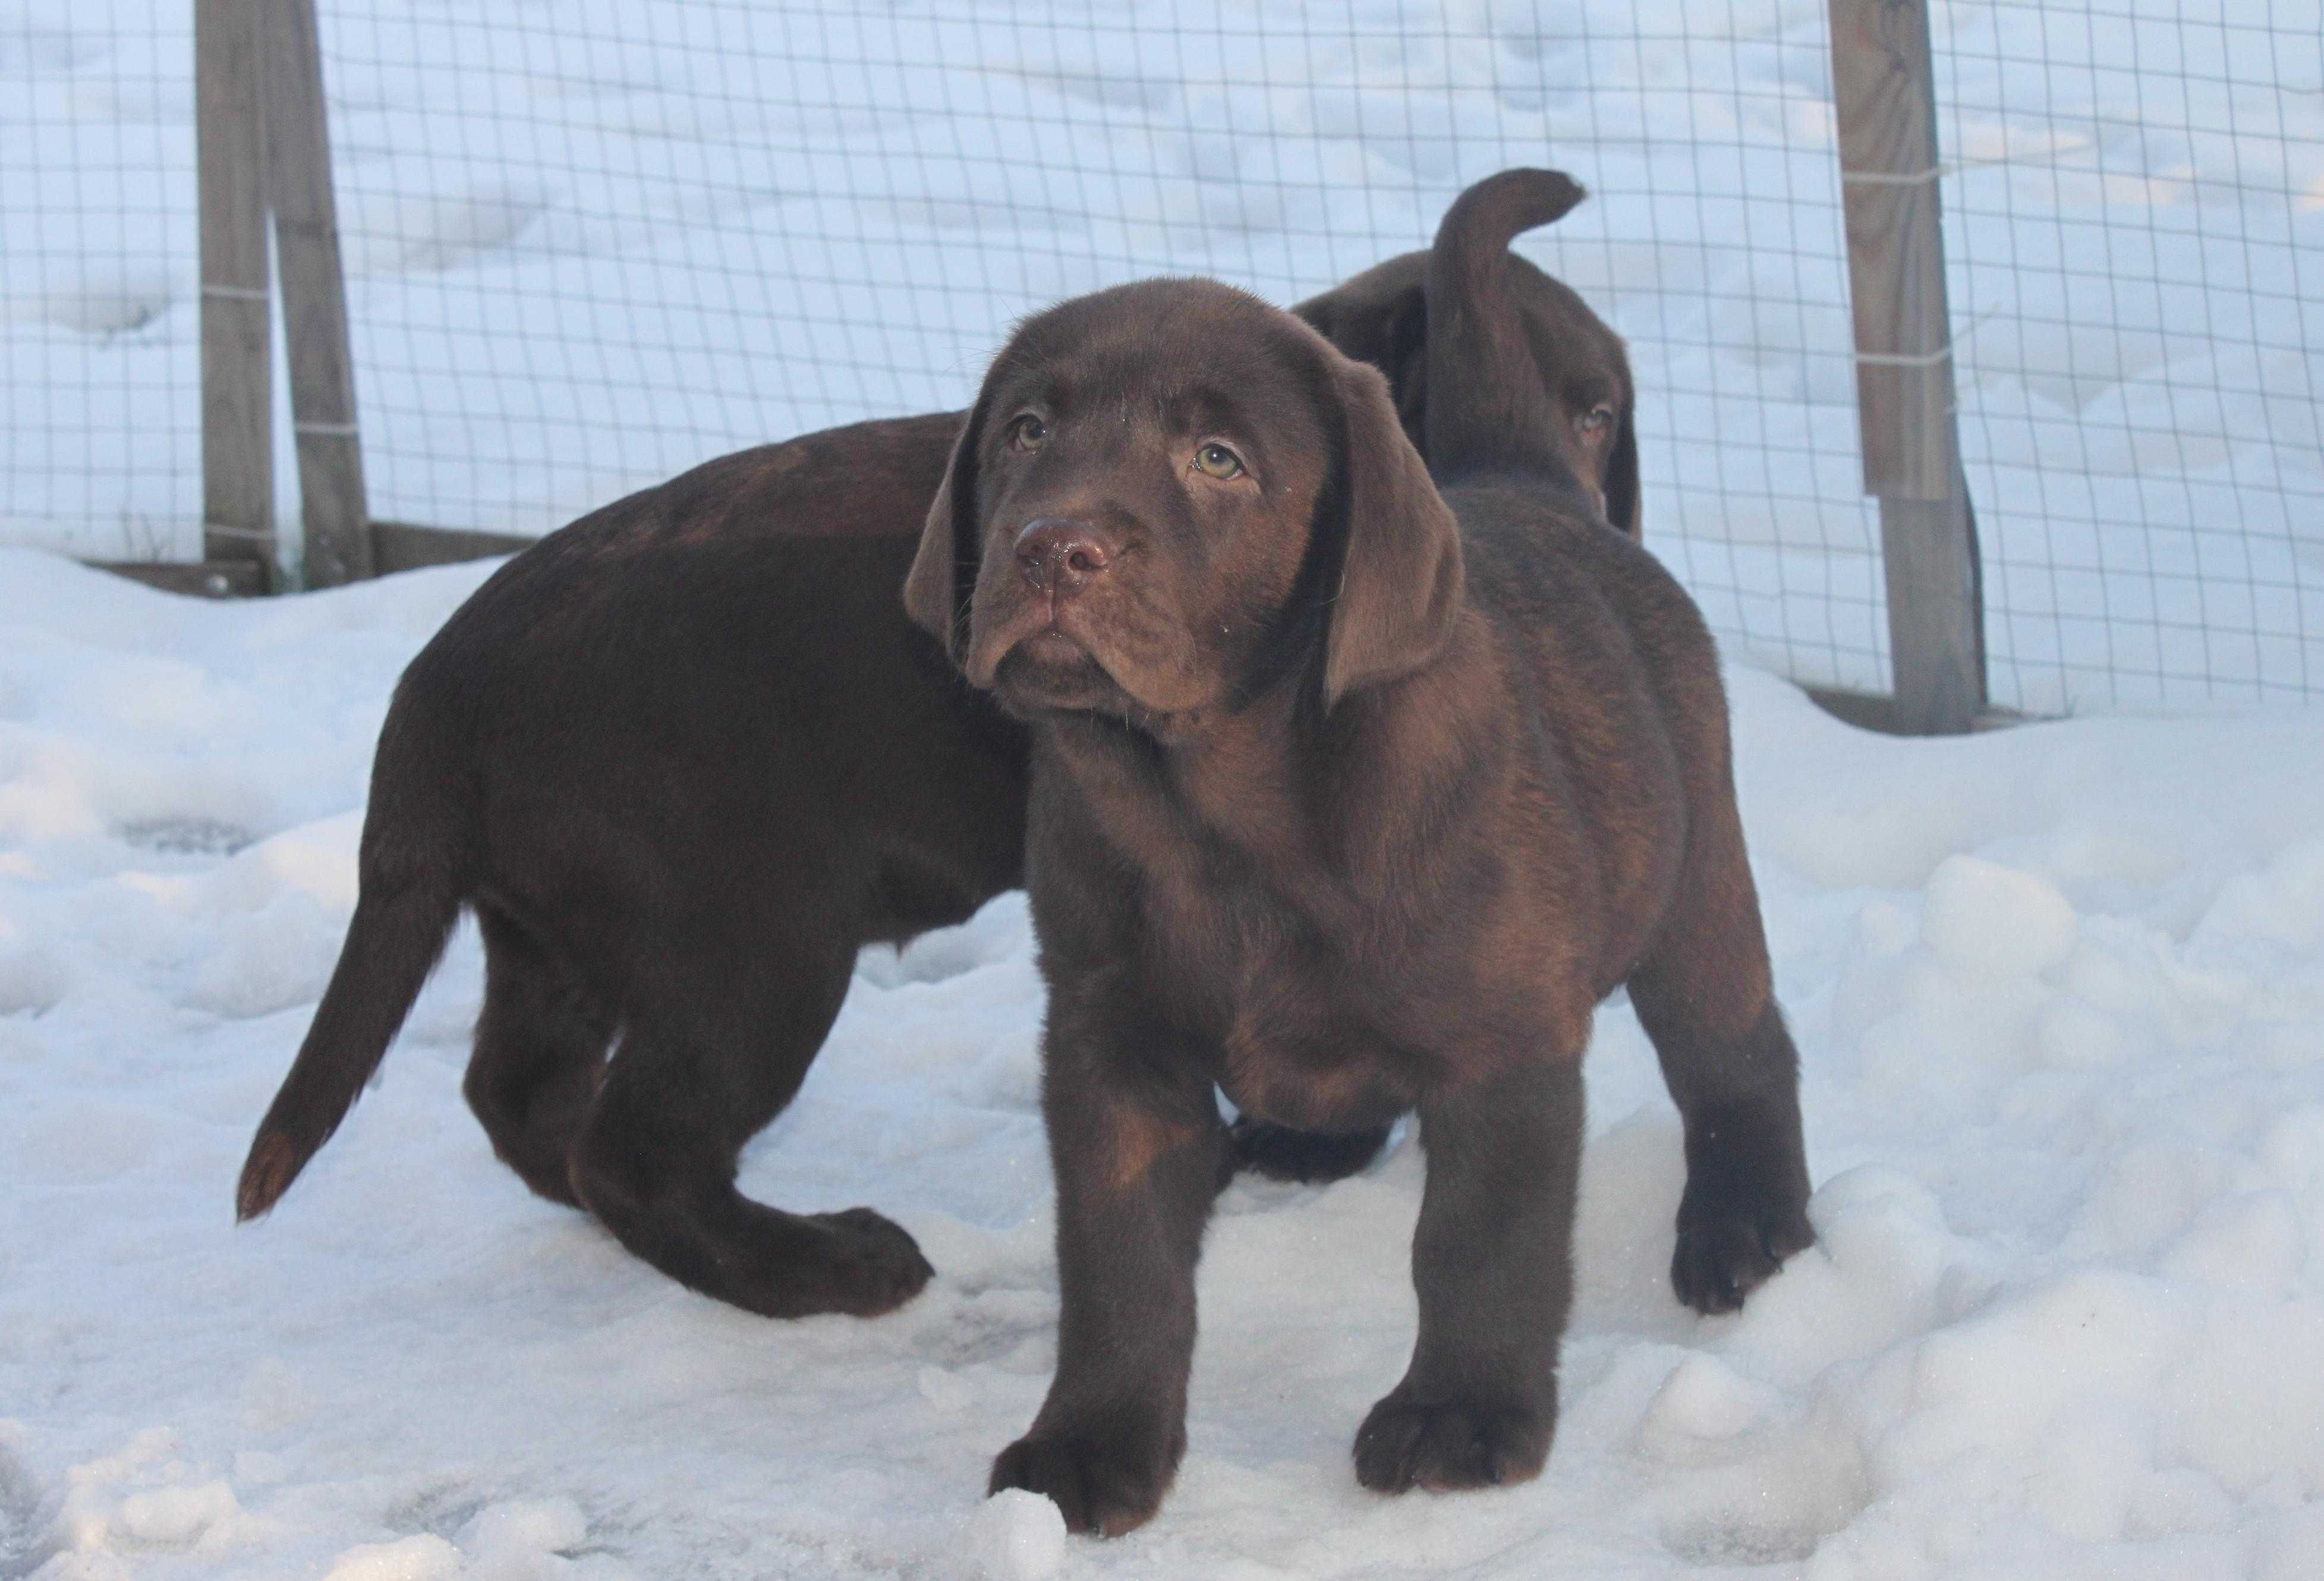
[(1060, 556)]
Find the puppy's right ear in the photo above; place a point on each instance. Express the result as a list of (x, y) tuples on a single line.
[(944, 572), (1401, 576)]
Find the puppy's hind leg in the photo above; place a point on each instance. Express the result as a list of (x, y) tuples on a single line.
[(540, 1049), (1704, 994), (1492, 1264), (708, 1056)]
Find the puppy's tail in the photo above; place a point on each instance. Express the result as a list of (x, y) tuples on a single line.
[(1487, 409), (409, 896)]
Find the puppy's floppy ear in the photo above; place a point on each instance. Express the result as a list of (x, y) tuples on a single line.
[(944, 572), (1622, 474), (1400, 577)]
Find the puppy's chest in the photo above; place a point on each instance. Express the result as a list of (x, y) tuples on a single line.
[(1309, 1030)]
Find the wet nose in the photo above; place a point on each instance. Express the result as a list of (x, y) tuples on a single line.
[(1059, 557)]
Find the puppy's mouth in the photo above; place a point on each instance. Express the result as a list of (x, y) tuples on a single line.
[(1051, 649), (1048, 670), (1038, 656)]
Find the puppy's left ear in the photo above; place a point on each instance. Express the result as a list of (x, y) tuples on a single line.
[(944, 572), (1400, 579), (1622, 476)]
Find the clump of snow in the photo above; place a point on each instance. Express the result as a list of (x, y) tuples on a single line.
[(524, 1540), (526, 1526), (1984, 919), (424, 1557), (147, 1499), (1015, 1536), (1703, 1403)]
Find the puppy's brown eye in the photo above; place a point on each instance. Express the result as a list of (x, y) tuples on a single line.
[(1596, 420), (1218, 461), (1027, 432)]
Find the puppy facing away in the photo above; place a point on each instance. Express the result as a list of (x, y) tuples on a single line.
[(1350, 793), (1582, 373), (683, 759)]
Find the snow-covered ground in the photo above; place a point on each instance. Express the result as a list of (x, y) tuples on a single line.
[(2059, 990), (589, 243)]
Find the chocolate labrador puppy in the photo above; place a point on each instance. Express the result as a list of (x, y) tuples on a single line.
[(1351, 792), (1381, 317), (684, 759)]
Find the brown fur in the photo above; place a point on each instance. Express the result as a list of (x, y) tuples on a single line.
[(683, 759), (1579, 392), (1351, 792)]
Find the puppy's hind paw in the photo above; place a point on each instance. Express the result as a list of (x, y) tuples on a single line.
[(1407, 1443), (872, 1264), (1314, 1156), (1731, 1243)]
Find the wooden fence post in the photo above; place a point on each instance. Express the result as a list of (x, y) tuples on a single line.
[(314, 298), (237, 312), (1904, 389)]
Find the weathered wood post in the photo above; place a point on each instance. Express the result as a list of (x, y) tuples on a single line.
[(314, 298), (237, 383), (1904, 389)]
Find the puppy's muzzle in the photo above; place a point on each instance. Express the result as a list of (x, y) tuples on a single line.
[(1062, 558)]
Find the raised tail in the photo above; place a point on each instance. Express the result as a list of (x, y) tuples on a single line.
[(409, 899), (1488, 411)]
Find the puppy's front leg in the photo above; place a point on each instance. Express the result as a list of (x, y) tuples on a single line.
[(1492, 1262), (1135, 1144)]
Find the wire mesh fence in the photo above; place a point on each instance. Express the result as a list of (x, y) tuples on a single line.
[(592, 244), (2136, 232), (100, 378), (635, 235)]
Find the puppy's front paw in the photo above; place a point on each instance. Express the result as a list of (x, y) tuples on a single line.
[(1734, 1231), (1406, 1444), (1099, 1486)]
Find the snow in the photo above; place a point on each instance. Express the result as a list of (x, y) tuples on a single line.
[(2059, 991), (1018, 1536), (592, 244)]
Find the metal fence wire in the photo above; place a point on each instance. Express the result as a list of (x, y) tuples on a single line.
[(590, 244), (100, 352), (2135, 234)]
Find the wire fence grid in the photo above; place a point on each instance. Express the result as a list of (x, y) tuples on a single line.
[(590, 244), (2139, 323), (100, 355)]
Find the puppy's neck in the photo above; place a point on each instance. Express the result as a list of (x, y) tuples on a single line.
[(1353, 792)]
